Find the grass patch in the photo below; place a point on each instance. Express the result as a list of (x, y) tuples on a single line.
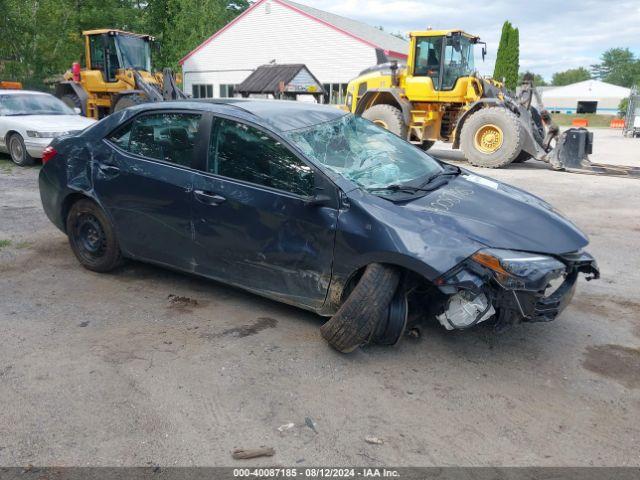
[(595, 120), (4, 244), (21, 245)]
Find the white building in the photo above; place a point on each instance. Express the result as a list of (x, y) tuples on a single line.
[(335, 49), (590, 96)]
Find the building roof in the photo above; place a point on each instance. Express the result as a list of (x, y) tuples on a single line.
[(372, 36), (363, 31), (588, 89), (267, 78)]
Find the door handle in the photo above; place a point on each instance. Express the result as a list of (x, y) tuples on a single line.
[(208, 198), (109, 169)]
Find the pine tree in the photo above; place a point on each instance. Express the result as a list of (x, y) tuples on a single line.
[(514, 60), (508, 57), (500, 70)]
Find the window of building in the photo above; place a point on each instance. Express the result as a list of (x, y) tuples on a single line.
[(246, 153), (335, 93), (163, 136), (202, 91), (226, 90)]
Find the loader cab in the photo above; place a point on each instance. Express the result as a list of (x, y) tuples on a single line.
[(437, 60), (108, 51), (443, 57)]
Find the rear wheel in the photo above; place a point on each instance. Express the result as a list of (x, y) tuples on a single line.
[(129, 101), (389, 117), (92, 237), (18, 151), (492, 137)]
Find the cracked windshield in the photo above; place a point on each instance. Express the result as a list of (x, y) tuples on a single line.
[(364, 153)]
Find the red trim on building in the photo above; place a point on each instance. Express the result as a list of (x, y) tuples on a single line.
[(291, 7)]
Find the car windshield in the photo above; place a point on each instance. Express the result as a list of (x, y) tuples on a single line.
[(364, 153), (32, 104), (134, 52)]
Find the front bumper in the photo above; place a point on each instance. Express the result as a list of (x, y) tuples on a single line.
[(35, 146), (514, 305)]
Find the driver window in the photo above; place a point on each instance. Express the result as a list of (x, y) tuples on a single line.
[(246, 153), (97, 52), (428, 53)]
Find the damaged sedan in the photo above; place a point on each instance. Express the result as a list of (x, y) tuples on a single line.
[(311, 206)]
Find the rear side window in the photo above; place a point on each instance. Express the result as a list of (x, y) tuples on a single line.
[(242, 152), (170, 137)]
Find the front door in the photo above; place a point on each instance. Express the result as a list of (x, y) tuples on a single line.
[(144, 177), (253, 223)]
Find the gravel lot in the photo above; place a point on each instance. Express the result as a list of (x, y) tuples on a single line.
[(113, 370)]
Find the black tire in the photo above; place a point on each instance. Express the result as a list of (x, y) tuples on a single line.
[(71, 100), (92, 237), (356, 320), (129, 101), (426, 145), (18, 151), (522, 157), (512, 137), (389, 117)]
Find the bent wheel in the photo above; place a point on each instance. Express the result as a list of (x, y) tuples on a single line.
[(359, 316), (92, 237)]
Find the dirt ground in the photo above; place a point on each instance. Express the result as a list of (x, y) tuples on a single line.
[(146, 366)]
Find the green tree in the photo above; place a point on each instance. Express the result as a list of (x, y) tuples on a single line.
[(618, 66), (623, 106), (570, 76), (508, 56), (39, 39)]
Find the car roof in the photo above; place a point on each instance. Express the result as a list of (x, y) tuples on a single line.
[(17, 92), (283, 115)]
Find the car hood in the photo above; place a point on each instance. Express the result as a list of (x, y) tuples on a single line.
[(52, 123), (493, 214)]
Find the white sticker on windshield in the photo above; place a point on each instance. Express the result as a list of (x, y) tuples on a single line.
[(482, 181)]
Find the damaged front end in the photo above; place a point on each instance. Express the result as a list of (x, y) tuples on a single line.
[(510, 286)]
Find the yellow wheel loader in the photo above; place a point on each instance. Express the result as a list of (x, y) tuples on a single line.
[(117, 75), (438, 95)]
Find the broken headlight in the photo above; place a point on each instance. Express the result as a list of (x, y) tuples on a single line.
[(519, 270)]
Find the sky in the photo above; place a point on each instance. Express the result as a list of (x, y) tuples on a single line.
[(554, 35)]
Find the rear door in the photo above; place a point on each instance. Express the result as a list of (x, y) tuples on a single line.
[(253, 224), (144, 179)]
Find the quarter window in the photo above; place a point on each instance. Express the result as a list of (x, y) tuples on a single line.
[(170, 137), (242, 152)]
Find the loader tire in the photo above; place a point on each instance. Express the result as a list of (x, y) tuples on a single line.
[(492, 137), (389, 117), (129, 101), (356, 320), (522, 157)]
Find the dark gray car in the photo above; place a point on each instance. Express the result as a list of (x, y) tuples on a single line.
[(314, 207)]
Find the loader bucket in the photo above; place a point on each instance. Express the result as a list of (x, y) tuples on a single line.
[(572, 155)]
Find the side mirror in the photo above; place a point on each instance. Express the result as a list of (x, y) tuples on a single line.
[(77, 110), (318, 200)]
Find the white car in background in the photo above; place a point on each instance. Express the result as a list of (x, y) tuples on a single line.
[(29, 121)]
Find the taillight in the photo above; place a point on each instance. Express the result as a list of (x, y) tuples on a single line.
[(48, 153)]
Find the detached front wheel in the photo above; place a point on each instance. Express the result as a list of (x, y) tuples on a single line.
[(492, 137), (356, 321)]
